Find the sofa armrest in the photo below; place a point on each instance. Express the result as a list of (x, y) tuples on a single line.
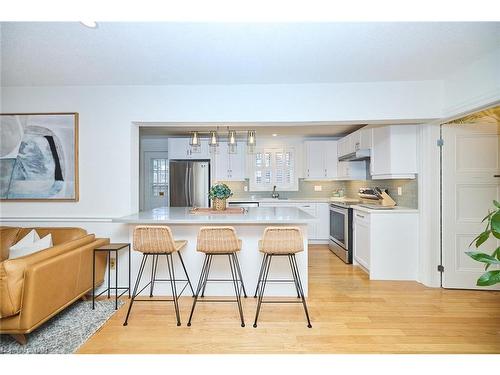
[(53, 284), (12, 274)]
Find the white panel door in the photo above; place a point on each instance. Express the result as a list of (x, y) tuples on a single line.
[(155, 187), (471, 159)]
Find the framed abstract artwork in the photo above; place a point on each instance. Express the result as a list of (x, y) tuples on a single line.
[(39, 157)]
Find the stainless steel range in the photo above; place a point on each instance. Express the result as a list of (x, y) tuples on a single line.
[(340, 242), (341, 238)]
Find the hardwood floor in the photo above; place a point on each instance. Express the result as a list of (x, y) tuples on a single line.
[(349, 313)]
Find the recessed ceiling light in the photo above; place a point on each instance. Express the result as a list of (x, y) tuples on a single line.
[(275, 135), (90, 24)]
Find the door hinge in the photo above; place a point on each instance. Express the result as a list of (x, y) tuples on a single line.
[(440, 268), (440, 142)]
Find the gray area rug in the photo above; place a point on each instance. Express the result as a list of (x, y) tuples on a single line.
[(65, 332)]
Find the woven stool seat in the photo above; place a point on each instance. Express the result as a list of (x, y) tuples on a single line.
[(218, 240), (281, 240), (157, 239)]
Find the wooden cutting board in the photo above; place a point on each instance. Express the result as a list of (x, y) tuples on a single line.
[(211, 211)]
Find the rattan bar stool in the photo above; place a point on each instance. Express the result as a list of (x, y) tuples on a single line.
[(154, 241), (280, 241), (215, 241)]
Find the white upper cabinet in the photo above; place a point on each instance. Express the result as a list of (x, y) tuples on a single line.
[(359, 140), (321, 160), (230, 167), (394, 152), (273, 167), (179, 148)]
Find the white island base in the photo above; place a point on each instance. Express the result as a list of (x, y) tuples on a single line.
[(249, 228)]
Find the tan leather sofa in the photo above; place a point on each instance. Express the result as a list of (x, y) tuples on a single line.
[(36, 287)]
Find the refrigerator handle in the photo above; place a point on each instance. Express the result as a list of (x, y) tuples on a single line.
[(190, 185)]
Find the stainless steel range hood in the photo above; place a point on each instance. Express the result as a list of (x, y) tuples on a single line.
[(356, 156)]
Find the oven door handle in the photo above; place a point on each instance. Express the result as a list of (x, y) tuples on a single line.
[(340, 210)]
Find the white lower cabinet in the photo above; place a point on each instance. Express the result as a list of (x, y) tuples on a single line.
[(323, 222), (316, 230), (386, 244), (361, 233)]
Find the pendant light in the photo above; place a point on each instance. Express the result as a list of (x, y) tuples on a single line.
[(213, 143), (194, 142), (251, 141), (231, 142)]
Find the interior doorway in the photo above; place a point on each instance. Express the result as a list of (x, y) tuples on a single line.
[(470, 166), (153, 172)]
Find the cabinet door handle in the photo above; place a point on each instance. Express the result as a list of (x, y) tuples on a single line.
[(361, 216), (496, 175)]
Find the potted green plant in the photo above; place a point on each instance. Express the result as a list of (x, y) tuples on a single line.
[(492, 228), (218, 194)]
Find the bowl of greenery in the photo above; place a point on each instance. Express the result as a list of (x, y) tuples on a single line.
[(218, 194)]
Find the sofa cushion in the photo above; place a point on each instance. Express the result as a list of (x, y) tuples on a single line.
[(8, 237), (12, 274)]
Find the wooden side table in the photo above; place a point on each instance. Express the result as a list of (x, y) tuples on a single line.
[(116, 247)]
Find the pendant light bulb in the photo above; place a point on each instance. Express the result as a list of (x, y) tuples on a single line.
[(195, 139), (214, 139), (231, 137)]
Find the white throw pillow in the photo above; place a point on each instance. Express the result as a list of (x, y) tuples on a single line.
[(27, 248), (27, 240)]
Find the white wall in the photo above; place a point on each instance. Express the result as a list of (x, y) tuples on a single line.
[(472, 86), (109, 142)]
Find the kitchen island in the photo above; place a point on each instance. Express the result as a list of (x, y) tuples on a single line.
[(249, 226)]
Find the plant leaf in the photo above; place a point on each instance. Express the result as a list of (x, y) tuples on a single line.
[(489, 278), (497, 205), (495, 222), (482, 257), (482, 238), (487, 217)]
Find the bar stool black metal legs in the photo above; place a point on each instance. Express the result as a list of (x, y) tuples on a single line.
[(236, 279), (280, 241), (171, 279), (263, 279), (155, 241), (134, 294)]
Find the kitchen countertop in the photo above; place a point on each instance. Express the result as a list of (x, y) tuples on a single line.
[(395, 210), (291, 200), (253, 215)]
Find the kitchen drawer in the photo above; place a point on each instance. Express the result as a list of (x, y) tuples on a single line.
[(361, 217)]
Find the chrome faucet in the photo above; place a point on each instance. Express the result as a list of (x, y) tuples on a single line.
[(274, 194)]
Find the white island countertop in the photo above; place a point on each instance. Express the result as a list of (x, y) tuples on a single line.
[(252, 215)]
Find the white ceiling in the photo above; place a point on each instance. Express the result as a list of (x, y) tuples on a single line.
[(231, 53)]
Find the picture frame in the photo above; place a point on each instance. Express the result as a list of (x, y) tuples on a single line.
[(39, 157)]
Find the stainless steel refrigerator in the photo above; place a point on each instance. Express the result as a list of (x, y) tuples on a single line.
[(189, 183)]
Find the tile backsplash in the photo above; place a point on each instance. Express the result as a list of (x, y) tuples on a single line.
[(409, 197)]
